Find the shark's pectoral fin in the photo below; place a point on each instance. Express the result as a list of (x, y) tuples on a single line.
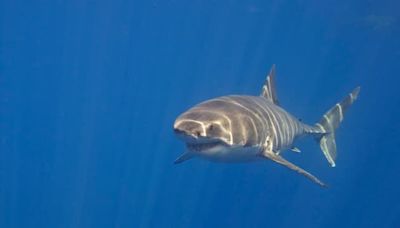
[(280, 160), (184, 157)]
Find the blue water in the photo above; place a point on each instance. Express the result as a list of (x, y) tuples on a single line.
[(89, 91)]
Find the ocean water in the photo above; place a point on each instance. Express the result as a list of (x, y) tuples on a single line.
[(89, 91)]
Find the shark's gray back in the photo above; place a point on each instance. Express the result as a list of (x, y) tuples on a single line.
[(256, 119)]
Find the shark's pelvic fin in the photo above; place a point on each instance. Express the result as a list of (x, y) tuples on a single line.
[(184, 157), (295, 149), (268, 90)]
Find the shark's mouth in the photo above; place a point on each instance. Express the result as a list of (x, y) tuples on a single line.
[(202, 146)]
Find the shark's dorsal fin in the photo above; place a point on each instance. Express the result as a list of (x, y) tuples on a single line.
[(268, 90)]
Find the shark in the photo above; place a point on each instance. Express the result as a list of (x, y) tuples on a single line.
[(245, 128)]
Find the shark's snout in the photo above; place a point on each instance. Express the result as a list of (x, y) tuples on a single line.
[(189, 128)]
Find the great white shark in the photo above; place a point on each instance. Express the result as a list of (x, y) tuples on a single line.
[(241, 128)]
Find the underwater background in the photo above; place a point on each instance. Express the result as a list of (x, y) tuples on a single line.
[(89, 91)]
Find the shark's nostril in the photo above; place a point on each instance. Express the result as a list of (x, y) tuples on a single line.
[(177, 131)]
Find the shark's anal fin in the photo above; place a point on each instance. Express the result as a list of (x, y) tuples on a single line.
[(280, 160), (268, 90), (295, 149), (184, 157)]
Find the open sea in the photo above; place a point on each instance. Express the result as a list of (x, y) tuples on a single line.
[(90, 89)]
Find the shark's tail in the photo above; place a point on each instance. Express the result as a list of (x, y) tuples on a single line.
[(330, 122)]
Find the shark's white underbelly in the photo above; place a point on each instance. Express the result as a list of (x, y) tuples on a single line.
[(231, 155)]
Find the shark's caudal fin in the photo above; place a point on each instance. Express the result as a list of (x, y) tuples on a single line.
[(329, 122)]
